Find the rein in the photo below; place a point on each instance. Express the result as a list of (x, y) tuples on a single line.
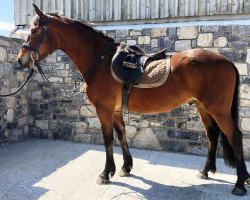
[(28, 78), (34, 51), (90, 70)]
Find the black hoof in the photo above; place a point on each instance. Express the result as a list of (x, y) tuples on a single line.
[(202, 175), (102, 181), (239, 192)]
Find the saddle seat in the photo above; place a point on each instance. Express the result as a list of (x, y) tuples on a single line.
[(129, 65)]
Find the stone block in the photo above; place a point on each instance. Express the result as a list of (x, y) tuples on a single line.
[(158, 32), (245, 92), (94, 123), (4, 43), (184, 135), (135, 33), (9, 115), (175, 146), (110, 33), (238, 45), (210, 28), (22, 121), (178, 112), (182, 45), (242, 68), (244, 112), (80, 127), (248, 56), (131, 42), (154, 43), (130, 131), (73, 111), (146, 139), (197, 150), (220, 42), (12, 57), (21, 76), (143, 40), (243, 31), (171, 31), (3, 54), (230, 54), (245, 124), (139, 122), (215, 50), (121, 33), (194, 123), (82, 138), (246, 148), (205, 40), (244, 103), (6, 68), (10, 102), (42, 124), (155, 124), (38, 78), (87, 111), (36, 95), (165, 42), (56, 80), (63, 73), (64, 131), (58, 66), (51, 58), (187, 32)]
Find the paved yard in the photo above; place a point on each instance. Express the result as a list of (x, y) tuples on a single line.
[(51, 170)]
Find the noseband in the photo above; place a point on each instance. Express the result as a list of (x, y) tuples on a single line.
[(34, 50)]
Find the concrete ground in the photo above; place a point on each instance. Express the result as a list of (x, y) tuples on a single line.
[(51, 170)]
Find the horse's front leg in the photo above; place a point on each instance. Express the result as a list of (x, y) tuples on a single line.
[(107, 120), (121, 133)]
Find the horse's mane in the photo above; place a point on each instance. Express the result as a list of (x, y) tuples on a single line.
[(81, 24)]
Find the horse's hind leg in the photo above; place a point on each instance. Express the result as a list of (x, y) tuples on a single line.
[(234, 137), (121, 133), (212, 132)]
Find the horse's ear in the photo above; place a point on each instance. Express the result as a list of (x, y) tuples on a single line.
[(39, 12)]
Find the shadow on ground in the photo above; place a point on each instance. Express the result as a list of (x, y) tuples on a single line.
[(43, 169)]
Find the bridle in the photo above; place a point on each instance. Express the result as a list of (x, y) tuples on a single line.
[(35, 51), (45, 31)]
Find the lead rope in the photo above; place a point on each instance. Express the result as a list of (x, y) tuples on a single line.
[(28, 78)]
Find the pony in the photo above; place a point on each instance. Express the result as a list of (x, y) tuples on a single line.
[(207, 79)]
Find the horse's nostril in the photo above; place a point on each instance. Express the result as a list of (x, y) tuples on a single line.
[(19, 61)]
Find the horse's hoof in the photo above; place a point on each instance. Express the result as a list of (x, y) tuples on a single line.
[(248, 182), (123, 173), (239, 192), (202, 175), (102, 181)]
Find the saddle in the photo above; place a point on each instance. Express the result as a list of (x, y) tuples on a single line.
[(128, 64)]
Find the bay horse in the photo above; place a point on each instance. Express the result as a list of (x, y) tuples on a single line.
[(206, 78)]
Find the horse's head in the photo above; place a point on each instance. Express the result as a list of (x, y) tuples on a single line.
[(40, 41)]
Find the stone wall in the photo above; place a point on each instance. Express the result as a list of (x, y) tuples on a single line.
[(13, 109), (181, 130)]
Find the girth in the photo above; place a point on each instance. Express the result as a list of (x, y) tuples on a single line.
[(128, 64)]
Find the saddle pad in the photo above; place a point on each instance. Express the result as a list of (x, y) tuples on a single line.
[(155, 74)]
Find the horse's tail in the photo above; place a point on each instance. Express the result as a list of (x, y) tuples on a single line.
[(228, 152)]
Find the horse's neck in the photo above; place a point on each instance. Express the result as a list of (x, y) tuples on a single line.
[(83, 49)]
